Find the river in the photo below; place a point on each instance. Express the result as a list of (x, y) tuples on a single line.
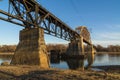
[(100, 60)]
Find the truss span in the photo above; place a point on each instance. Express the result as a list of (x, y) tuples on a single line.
[(30, 14)]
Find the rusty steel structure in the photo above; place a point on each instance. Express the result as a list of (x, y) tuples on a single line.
[(30, 14), (83, 31)]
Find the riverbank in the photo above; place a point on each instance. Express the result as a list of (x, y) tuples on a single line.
[(7, 53), (114, 53), (109, 68), (37, 73)]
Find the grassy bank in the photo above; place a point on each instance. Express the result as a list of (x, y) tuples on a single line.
[(37, 73)]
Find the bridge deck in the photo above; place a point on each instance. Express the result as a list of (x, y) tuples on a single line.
[(41, 18)]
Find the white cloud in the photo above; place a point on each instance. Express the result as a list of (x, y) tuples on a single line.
[(109, 36)]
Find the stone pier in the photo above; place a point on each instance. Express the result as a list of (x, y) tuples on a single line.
[(31, 49), (90, 55), (76, 47), (76, 53)]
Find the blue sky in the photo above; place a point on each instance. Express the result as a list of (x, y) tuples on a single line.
[(102, 18)]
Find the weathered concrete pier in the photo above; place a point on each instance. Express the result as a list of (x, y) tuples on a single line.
[(76, 48), (31, 49)]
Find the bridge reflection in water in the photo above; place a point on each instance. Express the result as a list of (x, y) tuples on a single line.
[(55, 59), (72, 63), (104, 59), (100, 60), (76, 64)]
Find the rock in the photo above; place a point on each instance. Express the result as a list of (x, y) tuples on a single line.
[(5, 63)]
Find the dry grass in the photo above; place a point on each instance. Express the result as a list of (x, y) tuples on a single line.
[(37, 73)]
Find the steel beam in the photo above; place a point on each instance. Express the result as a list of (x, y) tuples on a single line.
[(31, 14)]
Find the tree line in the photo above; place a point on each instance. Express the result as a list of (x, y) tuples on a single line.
[(58, 47), (109, 48), (11, 48), (7, 48), (63, 48)]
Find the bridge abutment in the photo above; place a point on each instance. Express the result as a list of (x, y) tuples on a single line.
[(31, 49)]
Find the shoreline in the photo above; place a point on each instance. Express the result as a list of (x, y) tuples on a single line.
[(108, 53), (7, 53), (109, 68), (26, 72)]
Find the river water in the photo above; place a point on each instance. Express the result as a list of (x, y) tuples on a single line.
[(100, 60)]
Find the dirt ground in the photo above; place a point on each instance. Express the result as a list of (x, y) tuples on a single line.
[(36, 73)]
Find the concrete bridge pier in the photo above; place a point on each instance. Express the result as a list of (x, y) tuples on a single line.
[(31, 49), (76, 50), (90, 55), (76, 47)]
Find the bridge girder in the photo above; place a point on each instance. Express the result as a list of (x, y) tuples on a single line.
[(30, 14), (83, 31)]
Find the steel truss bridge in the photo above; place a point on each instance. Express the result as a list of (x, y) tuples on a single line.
[(30, 14)]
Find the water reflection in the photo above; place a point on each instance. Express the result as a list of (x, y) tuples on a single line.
[(54, 60), (5, 59), (54, 57), (114, 59), (100, 59), (75, 63), (107, 59)]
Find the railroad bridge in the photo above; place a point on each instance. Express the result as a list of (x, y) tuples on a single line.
[(36, 21)]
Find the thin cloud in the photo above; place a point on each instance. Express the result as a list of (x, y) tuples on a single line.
[(110, 36), (112, 27)]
